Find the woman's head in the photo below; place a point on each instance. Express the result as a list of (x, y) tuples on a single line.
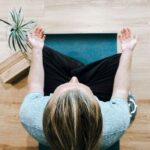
[(72, 119)]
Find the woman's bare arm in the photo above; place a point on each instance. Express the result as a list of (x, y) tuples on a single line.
[(36, 73), (123, 75)]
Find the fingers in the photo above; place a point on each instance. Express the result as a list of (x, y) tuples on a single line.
[(39, 32), (121, 35), (43, 37), (125, 34), (128, 35)]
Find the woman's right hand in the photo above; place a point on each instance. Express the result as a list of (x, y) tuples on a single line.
[(128, 41), (36, 38)]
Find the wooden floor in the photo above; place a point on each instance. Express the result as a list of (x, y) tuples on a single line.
[(76, 16)]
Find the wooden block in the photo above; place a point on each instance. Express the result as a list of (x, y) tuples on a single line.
[(14, 67)]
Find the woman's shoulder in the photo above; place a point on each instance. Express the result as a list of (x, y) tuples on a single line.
[(31, 114), (116, 120)]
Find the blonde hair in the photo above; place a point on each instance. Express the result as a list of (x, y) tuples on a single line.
[(74, 122)]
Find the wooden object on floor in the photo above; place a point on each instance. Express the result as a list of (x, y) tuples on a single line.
[(13, 67)]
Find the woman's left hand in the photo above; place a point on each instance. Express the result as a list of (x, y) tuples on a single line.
[(128, 41)]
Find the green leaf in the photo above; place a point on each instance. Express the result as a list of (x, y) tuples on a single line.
[(18, 42), (22, 43), (29, 22), (29, 45), (24, 38), (13, 40), (5, 22), (26, 28), (21, 35), (20, 10), (13, 16), (9, 40), (21, 22), (17, 18)]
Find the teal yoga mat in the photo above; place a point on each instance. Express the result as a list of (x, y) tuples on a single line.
[(85, 47)]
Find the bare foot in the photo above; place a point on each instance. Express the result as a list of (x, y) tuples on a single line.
[(127, 40), (37, 37)]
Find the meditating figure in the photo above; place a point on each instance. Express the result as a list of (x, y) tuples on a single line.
[(73, 106)]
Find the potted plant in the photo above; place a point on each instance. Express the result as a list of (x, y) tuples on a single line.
[(18, 31), (17, 64)]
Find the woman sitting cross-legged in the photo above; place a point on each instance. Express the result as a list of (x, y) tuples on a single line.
[(73, 106)]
